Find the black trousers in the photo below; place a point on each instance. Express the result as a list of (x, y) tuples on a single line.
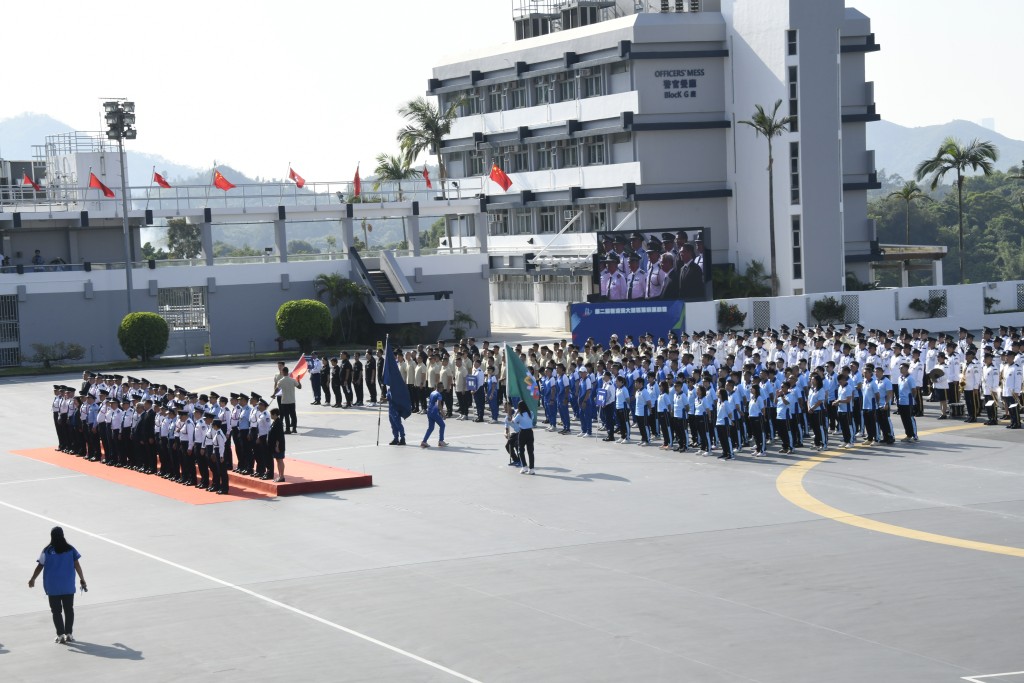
[(288, 415), (371, 389), (336, 387), (203, 464), (346, 388), (884, 424), (463, 397), (64, 623), (526, 446), (357, 385), (724, 439), (844, 425), (314, 380), (973, 403), (756, 424)]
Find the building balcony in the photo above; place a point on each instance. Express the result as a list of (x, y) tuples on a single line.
[(509, 121)]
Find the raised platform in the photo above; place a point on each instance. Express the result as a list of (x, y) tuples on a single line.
[(300, 477), (304, 477)]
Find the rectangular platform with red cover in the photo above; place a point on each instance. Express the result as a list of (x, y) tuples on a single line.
[(300, 477), (305, 477)]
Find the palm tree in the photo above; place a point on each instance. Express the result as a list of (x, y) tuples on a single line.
[(909, 193), (770, 126), (341, 294), (955, 156), (427, 126), (393, 169)]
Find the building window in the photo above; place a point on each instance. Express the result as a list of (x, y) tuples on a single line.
[(592, 85), (561, 288), (495, 101), (541, 90), (517, 96), (570, 154), (791, 43), (794, 104), (798, 251), (497, 224), (515, 288), (594, 154), (475, 163), (523, 222), (566, 87), (794, 172), (545, 156), (470, 103), (549, 220), (518, 159), (598, 219)]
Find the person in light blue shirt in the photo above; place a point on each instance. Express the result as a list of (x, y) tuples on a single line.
[(844, 408), (664, 414), (642, 408), (620, 401), (905, 399), (782, 418), (723, 420), (58, 563), (869, 402), (882, 413), (523, 420), (817, 407), (755, 418), (700, 421)]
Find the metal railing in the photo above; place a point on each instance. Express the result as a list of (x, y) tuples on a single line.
[(245, 196), (359, 266)]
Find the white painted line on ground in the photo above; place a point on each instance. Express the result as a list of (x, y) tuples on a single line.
[(410, 444), (979, 678), (250, 593), (29, 481)]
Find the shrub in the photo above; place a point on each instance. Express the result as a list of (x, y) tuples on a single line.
[(303, 320), (730, 316), (461, 324), (990, 303), (48, 354), (828, 310), (143, 335), (930, 307)]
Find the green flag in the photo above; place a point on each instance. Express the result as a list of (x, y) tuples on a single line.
[(519, 384)]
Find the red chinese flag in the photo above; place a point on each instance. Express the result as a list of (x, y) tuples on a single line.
[(500, 177), (28, 181), (161, 181), (301, 369), (97, 184), (220, 182), (292, 175), (426, 176), (357, 184)]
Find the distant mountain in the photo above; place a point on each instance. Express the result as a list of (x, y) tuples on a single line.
[(899, 149), (18, 134)]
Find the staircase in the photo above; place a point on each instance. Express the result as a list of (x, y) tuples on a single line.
[(381, 283)]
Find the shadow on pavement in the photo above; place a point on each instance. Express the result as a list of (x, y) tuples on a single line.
[(115, 651)]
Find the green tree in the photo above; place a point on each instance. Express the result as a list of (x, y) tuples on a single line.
[(48, 354), (770, 126), (303, 320), (393, 169), (301, 247), (461, 324), (143, 335), (151, 252), (954, 156), (342, 296), (432, 238), (425, 131), (183, 239), (909, 193), (225, 250)]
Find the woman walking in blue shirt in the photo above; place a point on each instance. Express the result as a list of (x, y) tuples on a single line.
[(435, 415), (58, 564)]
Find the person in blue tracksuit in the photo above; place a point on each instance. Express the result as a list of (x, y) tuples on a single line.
[(397, 424), (561, 381), (585, 402), (435, 416)]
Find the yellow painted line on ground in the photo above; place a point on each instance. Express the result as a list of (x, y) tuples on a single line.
[(790, 484)]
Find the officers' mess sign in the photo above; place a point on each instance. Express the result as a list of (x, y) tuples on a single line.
[(679, 83)]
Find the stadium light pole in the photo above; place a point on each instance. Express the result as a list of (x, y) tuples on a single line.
[(120, 118)]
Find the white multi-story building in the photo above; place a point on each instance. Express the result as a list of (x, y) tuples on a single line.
[(627, 115)]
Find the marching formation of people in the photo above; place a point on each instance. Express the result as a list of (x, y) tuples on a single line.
[(189, 438), (706, 391)]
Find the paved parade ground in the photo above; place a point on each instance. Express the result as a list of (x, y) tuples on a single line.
[(901, 563)]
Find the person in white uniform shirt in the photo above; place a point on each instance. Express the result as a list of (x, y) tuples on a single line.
[(636, 279), (613, 282)]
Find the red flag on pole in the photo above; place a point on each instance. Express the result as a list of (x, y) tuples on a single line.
[(301, 369), (357, 184), (28, 181), (426, 176), (97, 184), (220, 182), (161, 181), (500, 177), (292, 175)]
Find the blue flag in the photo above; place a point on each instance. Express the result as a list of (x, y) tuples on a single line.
[(396, 383)]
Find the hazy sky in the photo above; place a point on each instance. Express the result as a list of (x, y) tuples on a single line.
[(258, 84)]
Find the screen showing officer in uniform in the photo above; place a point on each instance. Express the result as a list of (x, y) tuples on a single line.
[(663, 265)]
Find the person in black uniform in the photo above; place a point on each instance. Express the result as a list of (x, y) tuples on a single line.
[(336, 382), (370, 369), (357, 379), (275, 445), (346, 378)]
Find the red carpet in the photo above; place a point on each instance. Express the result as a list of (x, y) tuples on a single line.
[(301, 477)]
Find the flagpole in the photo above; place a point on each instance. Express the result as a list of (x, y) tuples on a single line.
[(213, 171), (387, 349), (149, 189)]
